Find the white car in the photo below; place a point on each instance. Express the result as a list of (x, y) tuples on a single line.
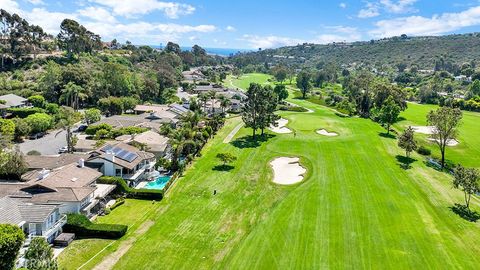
[(62, 150)]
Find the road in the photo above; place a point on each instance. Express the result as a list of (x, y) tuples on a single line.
[(48, 145)]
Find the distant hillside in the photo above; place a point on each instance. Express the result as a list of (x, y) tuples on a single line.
[(422, 51)]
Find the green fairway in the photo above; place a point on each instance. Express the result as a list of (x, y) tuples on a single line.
[(244, 81), (356, 208), (467, 152)]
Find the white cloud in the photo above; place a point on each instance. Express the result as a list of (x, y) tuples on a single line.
[(131, 8), (369, 11), (97, 14), (230, 28), (342, 5), (36, 2), (435, 25), (270, 41), (338, 34), (400, 6), (144, 32), (10, 6)]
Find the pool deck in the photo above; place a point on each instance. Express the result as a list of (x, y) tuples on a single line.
[(142, 184)]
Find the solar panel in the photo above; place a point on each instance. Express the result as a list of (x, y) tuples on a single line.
[(122, 153), (131, 157), (106, 148)]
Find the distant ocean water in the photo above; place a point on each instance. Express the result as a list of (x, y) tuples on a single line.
[(214, 51)]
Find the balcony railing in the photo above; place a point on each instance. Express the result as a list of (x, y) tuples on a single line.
[(55, 227)]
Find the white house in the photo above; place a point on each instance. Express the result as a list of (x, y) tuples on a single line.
[(72, 187), (42, 220), (123, 160)]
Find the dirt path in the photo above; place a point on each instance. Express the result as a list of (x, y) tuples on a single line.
[(232, 134), (113, 258)]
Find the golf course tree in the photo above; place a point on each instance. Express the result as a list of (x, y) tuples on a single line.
[(281, 92), (466, 179), (407, 141), (445, 121), (304, 82), (388, 113), (39, 255), (280, 73), (11, 240), (226, 158), (268, 106), (259, 108)]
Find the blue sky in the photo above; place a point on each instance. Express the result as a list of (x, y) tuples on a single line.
[(248, 24)]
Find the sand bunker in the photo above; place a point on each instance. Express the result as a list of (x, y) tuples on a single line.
[(287, 171), (281, 128), (424, 129), (326, 133), (450, 142)]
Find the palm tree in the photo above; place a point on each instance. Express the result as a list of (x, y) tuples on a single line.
[(224, 103), (72, 94), (203, 98), (213, 95), (191, 117), (67, 119)]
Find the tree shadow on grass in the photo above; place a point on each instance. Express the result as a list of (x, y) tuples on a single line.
[(405, 162), (223, 168), (465, 213), (387, 135), (250, 142)]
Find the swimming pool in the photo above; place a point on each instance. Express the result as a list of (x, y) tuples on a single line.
[(158, 183)]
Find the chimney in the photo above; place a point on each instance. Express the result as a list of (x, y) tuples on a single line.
[(110, 156), (81, 163)]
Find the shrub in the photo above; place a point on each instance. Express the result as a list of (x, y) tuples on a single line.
[(11, 240), (422, 150), (84, 228), (33, 153), (24, 112), (117, 203), (92, 129), (142, 194), (292, 108)]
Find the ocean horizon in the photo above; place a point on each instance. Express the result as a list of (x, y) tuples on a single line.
[(211, 51)]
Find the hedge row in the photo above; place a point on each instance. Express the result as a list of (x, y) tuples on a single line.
[(24, 112), (84, 228), (117, 203), (143, 193)]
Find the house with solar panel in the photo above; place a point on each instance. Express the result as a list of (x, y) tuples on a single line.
[(123, 160)]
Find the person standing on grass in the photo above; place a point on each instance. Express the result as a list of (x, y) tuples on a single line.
[(294, 134)]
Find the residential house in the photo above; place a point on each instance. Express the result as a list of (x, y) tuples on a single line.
[(73, 187), (34, 219), (123, 160), (152, 141), (148, 116), (14, 101), (52, 161)]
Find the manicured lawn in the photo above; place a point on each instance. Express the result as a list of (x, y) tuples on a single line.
[(244, 81), (467, 152), (356, 208), (131, 213)]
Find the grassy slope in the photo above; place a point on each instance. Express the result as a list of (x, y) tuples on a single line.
[(132, 213), (357, 207), (244, 81), (467, 152)]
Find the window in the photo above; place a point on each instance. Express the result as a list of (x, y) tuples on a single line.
[(118, 172)]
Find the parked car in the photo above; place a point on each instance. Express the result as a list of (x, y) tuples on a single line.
[(37, 135), (82, 128), (62, 150)]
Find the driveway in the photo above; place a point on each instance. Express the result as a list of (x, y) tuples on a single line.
[(48, 145)]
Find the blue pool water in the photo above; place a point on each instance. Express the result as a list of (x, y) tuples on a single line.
[(158, 183)]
